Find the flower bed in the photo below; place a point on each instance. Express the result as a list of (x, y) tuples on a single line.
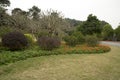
[(85, 49), (13, 56)]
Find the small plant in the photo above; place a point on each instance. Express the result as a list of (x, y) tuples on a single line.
[(92, 41), (48, 43), (14, 41)]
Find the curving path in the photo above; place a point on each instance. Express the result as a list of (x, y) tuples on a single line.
[(111, 43)]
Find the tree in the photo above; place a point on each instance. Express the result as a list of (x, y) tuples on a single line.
[(53, 23), (3, 15), (73, 22), (5, 19), (18, 11), (103, 23), (107, 32), (4, 3), (34, 12), (21, 21), (91, 26), (117, 33)]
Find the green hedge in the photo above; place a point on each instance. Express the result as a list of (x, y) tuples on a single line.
[(13, 56)]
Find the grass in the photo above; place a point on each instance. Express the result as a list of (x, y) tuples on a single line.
[(65, 67)]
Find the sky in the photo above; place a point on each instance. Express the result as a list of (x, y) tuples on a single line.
[(107, 10)]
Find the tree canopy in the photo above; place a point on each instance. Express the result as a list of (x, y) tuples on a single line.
[(18, 11), (117, 33), (34, 12), (91, 25), (108, 32), (4, 3)]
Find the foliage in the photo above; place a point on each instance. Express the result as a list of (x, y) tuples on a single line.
[(92, 40), (48, 43), (4, 30), (117, 33), (103, 23), (91, 26), (5, 19), (73, 22), (14, 41), (108, 32), (71, 40), (31, 39), (74, 39), (18, 11), (9, 57), (42, 33), (80, 37), (4, 3), (35, 21), (34, 12), (21, 22)]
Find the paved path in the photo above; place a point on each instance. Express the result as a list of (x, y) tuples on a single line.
[(111, 43)]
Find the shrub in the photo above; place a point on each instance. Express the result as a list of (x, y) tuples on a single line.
[(71, 40), (48, 43), (31, 39), (14, 41), (92, 41), (80, 37)]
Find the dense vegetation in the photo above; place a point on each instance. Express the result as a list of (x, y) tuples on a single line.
[(52, 23), (7, 56), (50, 32), (37, 33)]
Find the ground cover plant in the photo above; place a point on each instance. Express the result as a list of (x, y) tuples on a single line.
[(7, 56)]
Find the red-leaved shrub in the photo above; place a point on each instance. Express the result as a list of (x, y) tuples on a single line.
[(14, 41), (48, 43)]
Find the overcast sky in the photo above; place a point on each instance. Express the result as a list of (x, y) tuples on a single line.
[(108, 10)]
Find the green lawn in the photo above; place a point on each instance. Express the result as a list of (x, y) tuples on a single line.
[(104, 66)]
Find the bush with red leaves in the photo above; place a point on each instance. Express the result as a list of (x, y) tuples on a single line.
[(14, 41), (48, 43)]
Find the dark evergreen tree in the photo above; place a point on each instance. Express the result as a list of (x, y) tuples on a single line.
[(91, 26)]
